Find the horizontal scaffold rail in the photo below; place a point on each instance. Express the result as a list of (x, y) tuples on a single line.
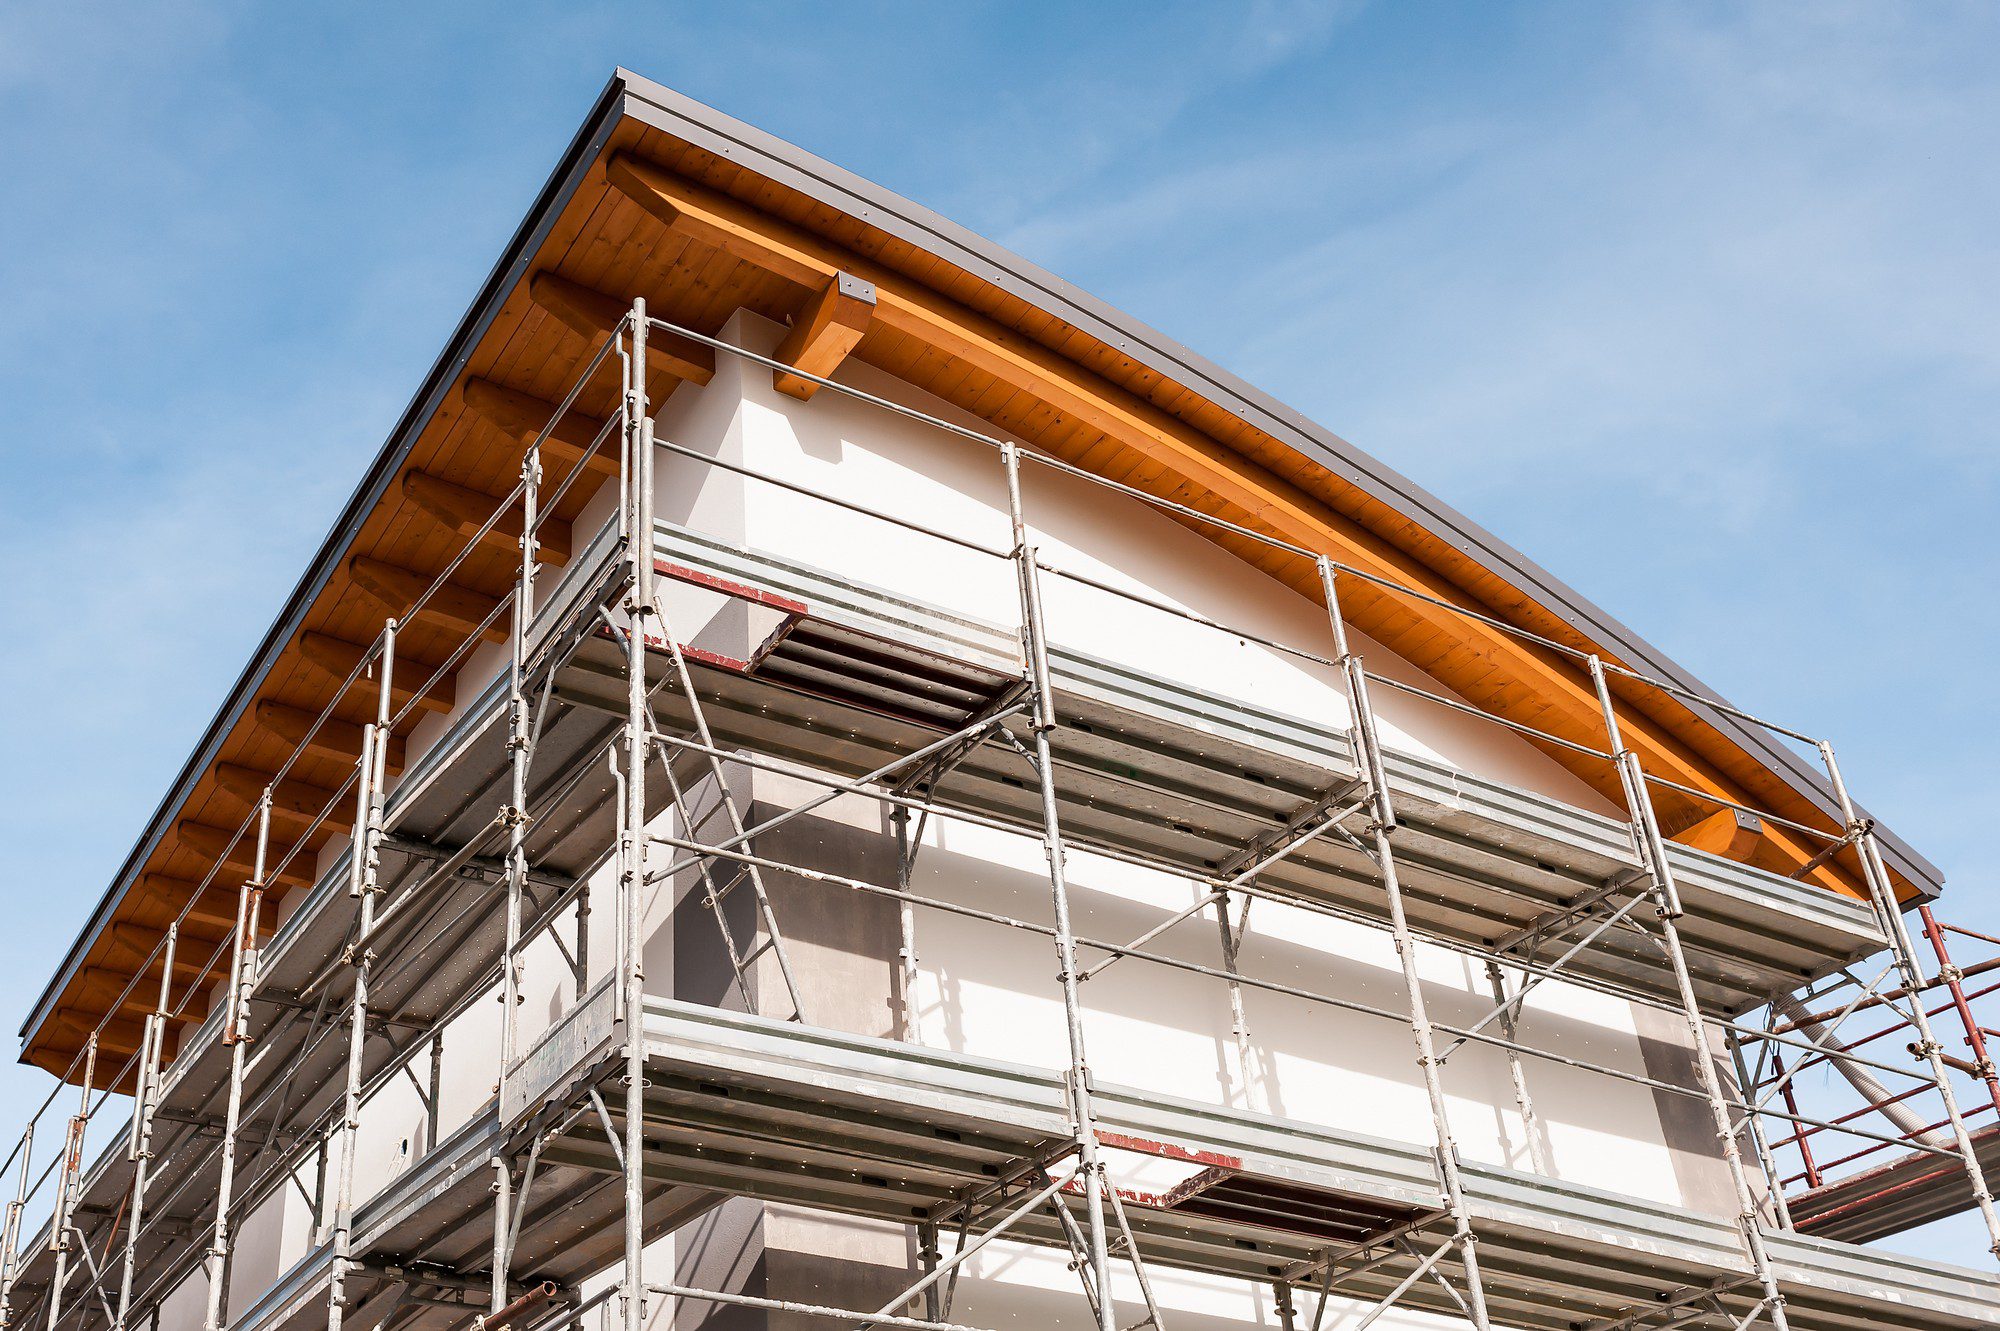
[(738, 1105), (1152, 769), (1187, 778)]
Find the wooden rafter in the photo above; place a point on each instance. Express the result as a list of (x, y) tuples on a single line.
[(337, 659), (294, 803), (238, 855), (522, 416), (591, 315), (469, 513), (329, 738), (118, 1038), (215, 910), (396, 589)]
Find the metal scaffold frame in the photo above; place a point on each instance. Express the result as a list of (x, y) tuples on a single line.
[(1062, 1193)]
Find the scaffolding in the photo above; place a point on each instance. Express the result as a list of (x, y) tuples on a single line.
[(633, 1114)]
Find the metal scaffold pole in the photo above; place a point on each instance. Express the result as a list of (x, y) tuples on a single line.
[(10, 1233), (363, 884), (145, 1101), (242, 980), (61, 1231), (1034, 646), (520, 753), (1882, 897), (1651, 850), (638, 524), (1369, 760)]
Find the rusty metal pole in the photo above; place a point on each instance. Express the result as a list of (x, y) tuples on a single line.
[(1882, 894), (1954, 982)]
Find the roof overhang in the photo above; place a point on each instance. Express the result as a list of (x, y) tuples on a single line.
[(631, 106)]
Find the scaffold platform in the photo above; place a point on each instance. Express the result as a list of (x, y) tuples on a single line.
[(850, 679)]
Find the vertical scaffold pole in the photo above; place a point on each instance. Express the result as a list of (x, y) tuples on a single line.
[(906, 928), (1889, 915), (1650, 847), (362, 883), (515, 816), (1368, 758), (1034, 646), (67, 1179), (1774, 1189), (145, 1099), (632, 822), (10, 1233), (1961, 1002), (242, 980), (1510, 1022)]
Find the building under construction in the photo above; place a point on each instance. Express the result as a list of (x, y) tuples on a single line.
[(825, 777)]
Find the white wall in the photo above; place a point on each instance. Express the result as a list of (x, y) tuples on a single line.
[(990, 991)]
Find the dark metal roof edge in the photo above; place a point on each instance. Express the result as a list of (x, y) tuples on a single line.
[(702, 125), (561, 183)]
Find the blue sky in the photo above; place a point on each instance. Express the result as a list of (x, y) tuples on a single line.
[(1693, 303)]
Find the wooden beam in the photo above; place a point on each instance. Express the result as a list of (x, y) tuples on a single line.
[(465, 512), (135, 949), (118, 1038), (215, 911), (337, 660), (239, 854), (1509, 667), (397, 589), (193, 946), (1730, 833), (592, 314), (576, 437), (294, 803), (140, 1006), (824, 331), (331, 738)]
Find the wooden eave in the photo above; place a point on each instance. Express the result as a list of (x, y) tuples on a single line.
[(739, 220)]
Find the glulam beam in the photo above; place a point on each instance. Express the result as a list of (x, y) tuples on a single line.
[(294, 803), (1730, 833), (214, 908), (238, 855), (828, 327), (1505, 673)]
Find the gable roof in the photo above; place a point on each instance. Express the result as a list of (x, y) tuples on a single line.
[(758, 218)]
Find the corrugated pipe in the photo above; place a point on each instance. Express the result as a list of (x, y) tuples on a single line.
[(1907, 1120)]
